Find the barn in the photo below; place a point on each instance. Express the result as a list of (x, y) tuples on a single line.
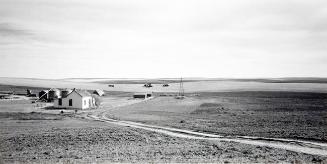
[(77, 99)]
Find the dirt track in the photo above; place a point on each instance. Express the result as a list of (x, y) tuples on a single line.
[(65, 138), (313, 148)]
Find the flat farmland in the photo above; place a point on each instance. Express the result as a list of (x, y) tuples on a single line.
[(32, 137), (30, 134), (189, 86), (264, 114)]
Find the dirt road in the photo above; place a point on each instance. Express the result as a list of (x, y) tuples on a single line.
[(313, 148)]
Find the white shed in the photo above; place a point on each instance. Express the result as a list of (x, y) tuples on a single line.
[(76, 100)]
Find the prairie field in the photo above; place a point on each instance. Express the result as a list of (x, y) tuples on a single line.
[(54, 138), (266, 114), (32, 134), (190, 86)]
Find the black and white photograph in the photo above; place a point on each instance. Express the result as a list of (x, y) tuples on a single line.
[(163, 81)]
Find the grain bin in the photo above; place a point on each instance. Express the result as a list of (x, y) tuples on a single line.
[(54, 94), (65, 93)]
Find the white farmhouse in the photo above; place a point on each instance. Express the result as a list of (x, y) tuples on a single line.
[(76, 100)]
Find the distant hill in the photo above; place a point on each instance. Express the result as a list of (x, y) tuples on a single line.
[(190, 85), (177, 80), (286, 80)]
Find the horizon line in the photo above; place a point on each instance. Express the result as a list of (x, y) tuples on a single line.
[(126, 78)]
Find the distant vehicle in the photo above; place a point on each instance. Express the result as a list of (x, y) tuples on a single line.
[(165, 85), (147, 85), (111, 85)]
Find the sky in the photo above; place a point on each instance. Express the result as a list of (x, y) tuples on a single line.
[(161, 39)]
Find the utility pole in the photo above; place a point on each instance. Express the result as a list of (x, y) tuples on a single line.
[(181, 88)]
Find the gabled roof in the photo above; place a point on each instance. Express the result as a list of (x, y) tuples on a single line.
[(98, 92), (81, 93)]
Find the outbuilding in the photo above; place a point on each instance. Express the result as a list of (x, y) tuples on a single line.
[(98, 92), (43, 95), (77, 99), (143, 95)]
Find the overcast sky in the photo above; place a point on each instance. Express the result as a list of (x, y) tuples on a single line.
[(167, 38)]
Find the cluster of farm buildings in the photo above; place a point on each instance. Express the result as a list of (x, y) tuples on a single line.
[(77, 99), (67, 98)]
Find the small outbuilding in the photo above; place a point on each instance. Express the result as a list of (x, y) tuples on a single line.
[(99, 92), (142, 95), (77, 99), (43, 95)]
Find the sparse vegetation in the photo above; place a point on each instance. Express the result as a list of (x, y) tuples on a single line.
[(267, 114), (73, 140), (29, 136), (209, 108), (30, 116)]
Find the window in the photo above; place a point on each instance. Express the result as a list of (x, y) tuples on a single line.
[(70, 102), (84, 102), (60, 102)]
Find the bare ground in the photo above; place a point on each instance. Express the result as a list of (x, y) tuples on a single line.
[(67, 139), (51, 137), (263, 114)]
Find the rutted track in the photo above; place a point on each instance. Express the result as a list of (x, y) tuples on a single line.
[(313, 148)]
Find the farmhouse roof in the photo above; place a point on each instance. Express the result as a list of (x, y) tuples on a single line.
[(82, 93)]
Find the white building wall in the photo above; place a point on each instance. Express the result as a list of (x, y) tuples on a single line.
[(78, 102), (88, 102), (56, 103)]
